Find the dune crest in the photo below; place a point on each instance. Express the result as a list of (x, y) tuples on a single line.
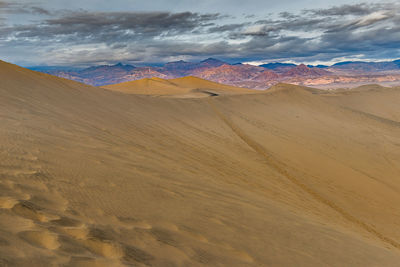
[(189, 86)]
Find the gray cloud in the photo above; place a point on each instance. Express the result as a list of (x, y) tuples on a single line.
[(152, 22), (20, 8), (228, 27), (84, 37), (112, 27), (344, 10)]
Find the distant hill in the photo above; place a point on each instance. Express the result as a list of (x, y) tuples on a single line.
[(304, 71), (183, 68), (367, 66), (318, 66), (276, 65)]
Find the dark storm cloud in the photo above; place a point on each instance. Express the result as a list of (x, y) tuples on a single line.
[(151, 23), (84, 36), (19, 8), (344, 10), (111, 28), (39, 10)]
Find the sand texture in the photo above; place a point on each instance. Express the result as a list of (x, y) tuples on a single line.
[(289, 177)]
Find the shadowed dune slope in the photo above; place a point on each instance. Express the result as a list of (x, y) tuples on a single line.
[(290, 177), (181, 87)]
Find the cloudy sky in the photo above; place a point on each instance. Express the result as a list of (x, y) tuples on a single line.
[(92, 32)]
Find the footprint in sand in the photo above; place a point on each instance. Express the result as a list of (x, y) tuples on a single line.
[(104, 248), (133, 254), (31, 211), (97, 241), (70, 227), (43, 239), (101, 242), (131, 223), (7, 202)]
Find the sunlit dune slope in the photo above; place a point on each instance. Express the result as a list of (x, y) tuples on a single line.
[(373, 100), (181, 87), (148, 86), (290, 177)]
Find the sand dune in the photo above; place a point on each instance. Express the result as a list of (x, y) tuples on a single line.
[(290, 177), (181, 87)]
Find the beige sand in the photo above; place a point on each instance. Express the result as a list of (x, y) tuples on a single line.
[(186, 87), (290, 177)]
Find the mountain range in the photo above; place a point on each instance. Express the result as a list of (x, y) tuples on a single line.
[(242, 75)]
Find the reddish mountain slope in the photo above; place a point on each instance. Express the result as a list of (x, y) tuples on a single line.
[(304, 71), (229, 73)]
